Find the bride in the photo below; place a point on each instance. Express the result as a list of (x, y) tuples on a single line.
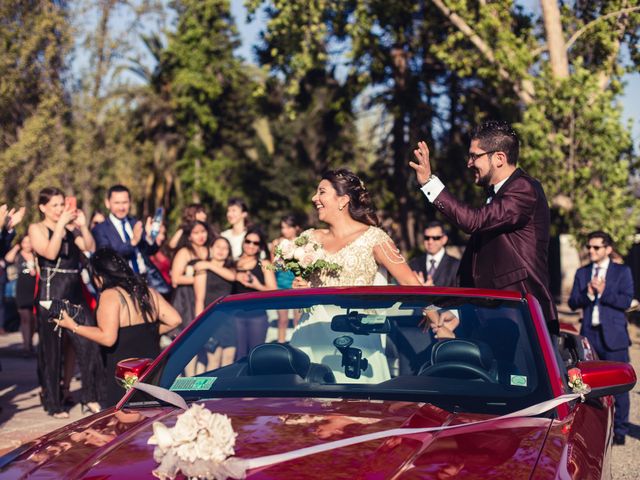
[(353, 241)]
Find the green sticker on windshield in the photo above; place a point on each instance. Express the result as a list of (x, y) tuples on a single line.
[(191, 383), (519, 380)]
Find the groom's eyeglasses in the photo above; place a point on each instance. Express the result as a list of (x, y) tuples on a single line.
[(435, 237), (472, 157), (594, 247)]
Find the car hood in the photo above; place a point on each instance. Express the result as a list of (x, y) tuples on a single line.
[(113, 444)]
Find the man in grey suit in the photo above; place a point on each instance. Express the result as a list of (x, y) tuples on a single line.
[(436, 267)]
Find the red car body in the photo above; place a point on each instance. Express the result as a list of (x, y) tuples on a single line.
[(574, 443)]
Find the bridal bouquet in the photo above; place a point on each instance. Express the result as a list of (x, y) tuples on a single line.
[(302, 256)]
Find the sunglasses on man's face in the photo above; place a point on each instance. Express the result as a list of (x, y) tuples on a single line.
[(251, 242), (594, 247), (433, 237)]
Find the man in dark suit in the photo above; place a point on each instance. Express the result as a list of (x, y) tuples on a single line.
[(509, 241), (125, 234), (435, 266), (604, 291)]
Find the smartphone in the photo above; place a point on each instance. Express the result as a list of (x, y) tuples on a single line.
[(157, 223), (71, 203)]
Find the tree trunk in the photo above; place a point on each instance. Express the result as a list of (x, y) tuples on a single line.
[(555, 39), (399, 145)]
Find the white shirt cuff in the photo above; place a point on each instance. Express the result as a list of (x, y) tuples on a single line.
[(432, 188), (591, 297)]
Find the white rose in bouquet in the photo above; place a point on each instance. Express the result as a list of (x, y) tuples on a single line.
[(287, 247), (299, 253), (307, 259)]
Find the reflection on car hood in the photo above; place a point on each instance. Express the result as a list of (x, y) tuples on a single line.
[(114, 444)]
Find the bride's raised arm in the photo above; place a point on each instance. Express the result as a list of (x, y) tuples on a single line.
[(388, 255)]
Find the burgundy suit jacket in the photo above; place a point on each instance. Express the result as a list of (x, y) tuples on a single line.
[(509, 243)]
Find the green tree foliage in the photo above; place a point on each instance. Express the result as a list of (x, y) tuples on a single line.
[(211, 92), (565, 87), (35, 109)]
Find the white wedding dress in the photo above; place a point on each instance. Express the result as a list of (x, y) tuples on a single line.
[(314, 336)]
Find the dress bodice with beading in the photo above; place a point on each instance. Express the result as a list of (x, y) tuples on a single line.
[(357, 260), (314, 336)]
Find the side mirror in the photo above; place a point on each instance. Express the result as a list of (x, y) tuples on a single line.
[(131, 367), (607, 378), (360, 323)]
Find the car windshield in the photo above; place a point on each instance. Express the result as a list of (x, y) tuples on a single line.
[(474, 354)]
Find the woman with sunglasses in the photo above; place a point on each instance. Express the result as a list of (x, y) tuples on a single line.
[(253, 275)]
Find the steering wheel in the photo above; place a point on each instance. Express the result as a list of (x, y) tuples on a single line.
[(456, 367)]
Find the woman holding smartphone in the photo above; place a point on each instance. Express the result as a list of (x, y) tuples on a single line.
[(59, 241)]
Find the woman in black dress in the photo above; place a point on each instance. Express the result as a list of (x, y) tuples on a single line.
[(23, 258), (131, 316), (59, 240), (194, 247), (253, 275), (214, 279)]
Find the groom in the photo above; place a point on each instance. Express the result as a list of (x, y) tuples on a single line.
[(509, 240)]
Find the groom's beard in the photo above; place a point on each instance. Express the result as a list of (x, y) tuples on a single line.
[(485, 180)]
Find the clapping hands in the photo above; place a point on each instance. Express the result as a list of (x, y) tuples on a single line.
[(10, 218), (596, 286)]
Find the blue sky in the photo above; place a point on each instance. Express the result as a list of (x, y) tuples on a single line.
[(630, 101)]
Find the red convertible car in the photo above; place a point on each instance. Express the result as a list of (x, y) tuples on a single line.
[(375, 382)]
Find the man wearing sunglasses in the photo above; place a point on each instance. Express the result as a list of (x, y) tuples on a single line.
[(435, 267), (509, 242), (604, 290)]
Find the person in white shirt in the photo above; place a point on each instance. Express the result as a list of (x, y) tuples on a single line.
[(127, 235), (604, 290), (237, 214), (435, 266)]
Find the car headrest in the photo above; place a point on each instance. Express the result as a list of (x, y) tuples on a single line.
[(278, 359), (464, 351)]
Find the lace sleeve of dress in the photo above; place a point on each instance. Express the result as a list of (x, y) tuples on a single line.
[(389, 249)]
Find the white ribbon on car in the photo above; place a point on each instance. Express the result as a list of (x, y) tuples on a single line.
[(161, 394), (234, 467), (531, 411)]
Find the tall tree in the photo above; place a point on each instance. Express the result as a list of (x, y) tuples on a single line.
[(565, 76), (211, 91), (35, 108)]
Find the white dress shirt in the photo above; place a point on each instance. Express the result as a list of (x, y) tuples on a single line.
[(437, 257), (602, 273), (142, 267)]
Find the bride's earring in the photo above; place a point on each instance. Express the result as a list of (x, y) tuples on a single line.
[(340, 207)]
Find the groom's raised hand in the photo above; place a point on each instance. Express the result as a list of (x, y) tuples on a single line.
[(422, 167)]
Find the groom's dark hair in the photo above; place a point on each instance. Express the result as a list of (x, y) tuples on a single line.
[(498, 136)]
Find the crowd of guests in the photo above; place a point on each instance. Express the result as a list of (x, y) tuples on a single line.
[(134, 285)]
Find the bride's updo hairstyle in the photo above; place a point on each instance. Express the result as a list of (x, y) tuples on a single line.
[(360, 204)]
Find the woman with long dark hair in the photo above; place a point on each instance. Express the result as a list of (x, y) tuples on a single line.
[(59, 241), (131, 316), (253, 275), (354, 241), (193, 248), (22, 256), (214, 279)]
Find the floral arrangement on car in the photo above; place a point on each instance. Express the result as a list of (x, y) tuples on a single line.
[(200, 445), (302, 256), (576, 383)]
